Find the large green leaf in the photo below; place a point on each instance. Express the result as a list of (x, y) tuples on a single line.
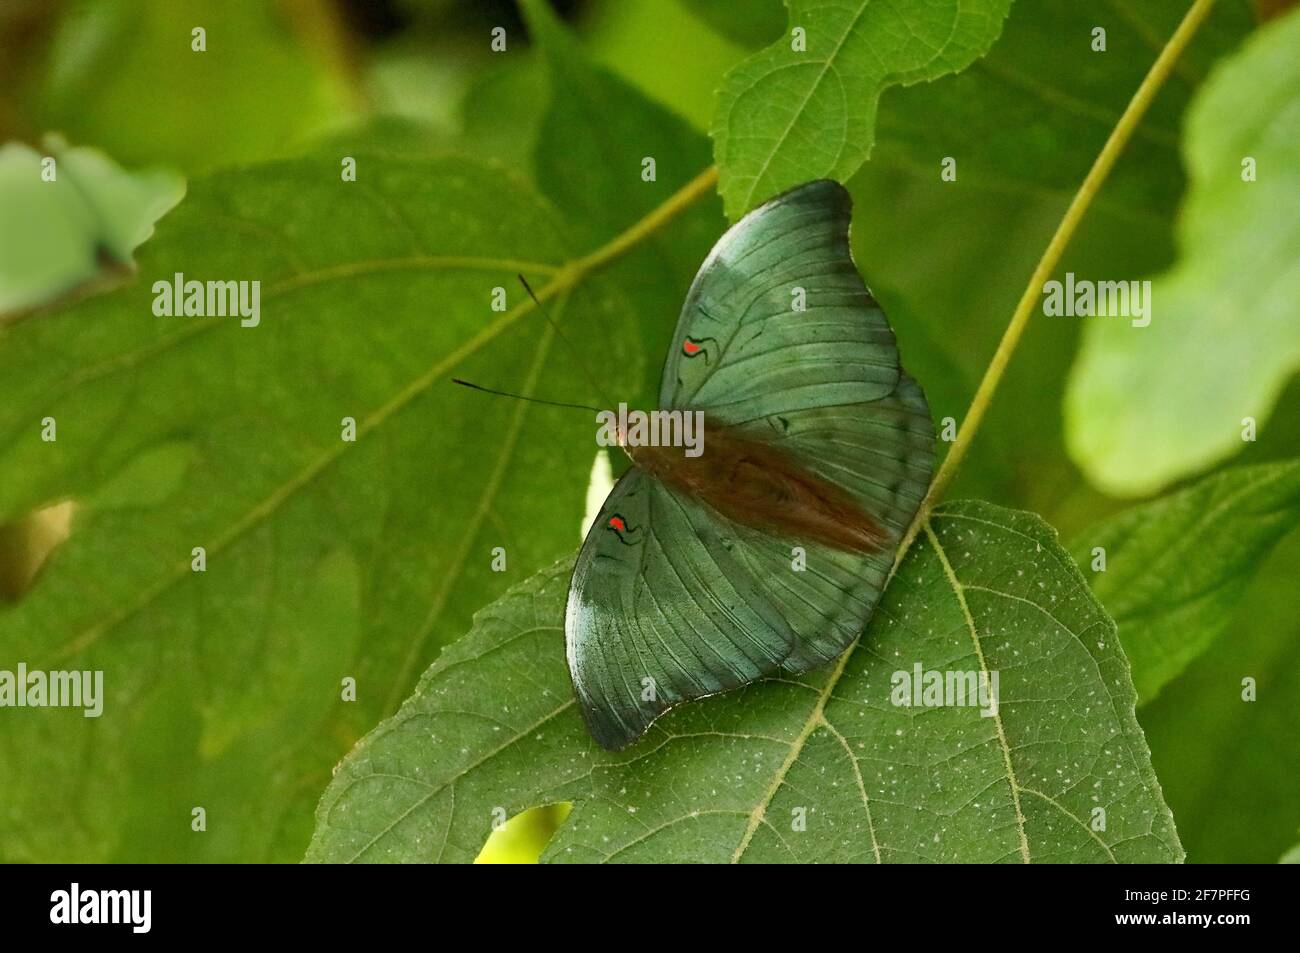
[(1176, 568), (326, 559), (55, 236), (493, 729), (125, 76), (786, 115), (1147, 405)]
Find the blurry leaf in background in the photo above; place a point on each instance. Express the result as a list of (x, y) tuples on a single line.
[(1176, 568), (418, 88), (1031, 116), (57, 235), (124, 76), (989, 589), (383, 135), (1230, 768), (433, 85), (502, 112), (667, 50), (598, 126), (1148, 405), (748, 22), (325, 559), (805, 107)]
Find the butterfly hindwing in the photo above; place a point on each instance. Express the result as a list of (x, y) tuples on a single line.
[(660, 612)]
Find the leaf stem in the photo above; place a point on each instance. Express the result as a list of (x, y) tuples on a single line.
[(684, 197), (1051, 257)]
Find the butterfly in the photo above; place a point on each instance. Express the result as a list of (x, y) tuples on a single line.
[(767, 553)]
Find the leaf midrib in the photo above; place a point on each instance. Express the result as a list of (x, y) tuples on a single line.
[(959, 590), (785, 133), (295, 282)]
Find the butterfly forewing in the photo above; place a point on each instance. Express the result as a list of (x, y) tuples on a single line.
[(779, 318)]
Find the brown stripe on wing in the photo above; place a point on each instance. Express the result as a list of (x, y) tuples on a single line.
[(756, 484)]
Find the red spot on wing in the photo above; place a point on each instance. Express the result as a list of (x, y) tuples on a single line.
[(690, 348), (618, 524)]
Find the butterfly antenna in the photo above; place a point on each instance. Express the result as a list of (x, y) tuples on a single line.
[(531, 400), (577, 355)]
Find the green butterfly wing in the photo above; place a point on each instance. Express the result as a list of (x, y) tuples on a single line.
[(671, 600), (758, 354), (660, 612)]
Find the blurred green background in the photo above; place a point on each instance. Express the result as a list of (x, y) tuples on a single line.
[(417, 77)]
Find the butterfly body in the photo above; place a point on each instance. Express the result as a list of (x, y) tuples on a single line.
[(754, 483), (767, 552)]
